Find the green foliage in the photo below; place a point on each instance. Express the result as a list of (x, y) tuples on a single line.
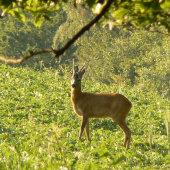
[(19, 15), (144, 14), (39, 129), (18, 38), (39, 9)]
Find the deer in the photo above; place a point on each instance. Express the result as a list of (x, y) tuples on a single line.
[(101, 105)]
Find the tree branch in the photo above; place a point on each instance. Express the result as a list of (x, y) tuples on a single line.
[(20, 60), (69, 43)]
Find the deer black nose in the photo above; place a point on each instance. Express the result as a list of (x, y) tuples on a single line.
[(73, 85)]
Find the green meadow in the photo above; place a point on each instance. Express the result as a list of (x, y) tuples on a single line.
[(39, 128)]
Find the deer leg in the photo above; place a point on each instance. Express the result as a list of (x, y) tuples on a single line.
[(87, 130), (127, 132), (84, 122)]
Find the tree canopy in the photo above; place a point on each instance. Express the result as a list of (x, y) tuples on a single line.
[(151, 15)]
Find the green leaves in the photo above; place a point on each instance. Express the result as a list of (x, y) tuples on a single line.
[(20, 16), (38, 20), (165, 5), (120, 13), (141, 14), (39, 9)]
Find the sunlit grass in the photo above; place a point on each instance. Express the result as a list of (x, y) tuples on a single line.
[(39, 129)]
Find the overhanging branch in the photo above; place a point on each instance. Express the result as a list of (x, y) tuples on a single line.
[(20, 60), (68, 44)]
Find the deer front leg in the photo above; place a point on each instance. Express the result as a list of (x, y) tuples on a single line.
[(127, 132), (87, 130), (84, 122)]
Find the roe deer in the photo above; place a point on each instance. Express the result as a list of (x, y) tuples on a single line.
[(88, 105)]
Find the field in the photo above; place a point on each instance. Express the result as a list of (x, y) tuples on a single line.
[(39, 128)]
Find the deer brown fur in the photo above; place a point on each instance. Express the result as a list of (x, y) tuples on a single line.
[(102, 105)]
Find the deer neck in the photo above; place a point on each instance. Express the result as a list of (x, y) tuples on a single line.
[(76, 93)]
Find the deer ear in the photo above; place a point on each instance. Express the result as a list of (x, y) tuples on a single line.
[(73, 66), (82, 70), (83, 67)]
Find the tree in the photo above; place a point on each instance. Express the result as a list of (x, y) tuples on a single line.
[(151, 15)]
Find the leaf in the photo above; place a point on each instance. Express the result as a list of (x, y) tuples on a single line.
[(41, 9), (120, 13), (139, 7), (165, 5), (20, 16), (38, 20), (98, 150), (95, 166), (73, 162), (119, 160), (7, 8), (106, 154), (29, 2)]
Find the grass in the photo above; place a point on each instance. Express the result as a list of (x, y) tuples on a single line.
[(39, 128)]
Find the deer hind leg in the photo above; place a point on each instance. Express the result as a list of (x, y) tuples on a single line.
[(127, 132), (83, 125)]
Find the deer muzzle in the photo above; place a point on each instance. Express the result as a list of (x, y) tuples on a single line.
[(73, 85)]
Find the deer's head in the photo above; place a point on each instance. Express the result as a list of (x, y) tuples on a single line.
[(77, 75)]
